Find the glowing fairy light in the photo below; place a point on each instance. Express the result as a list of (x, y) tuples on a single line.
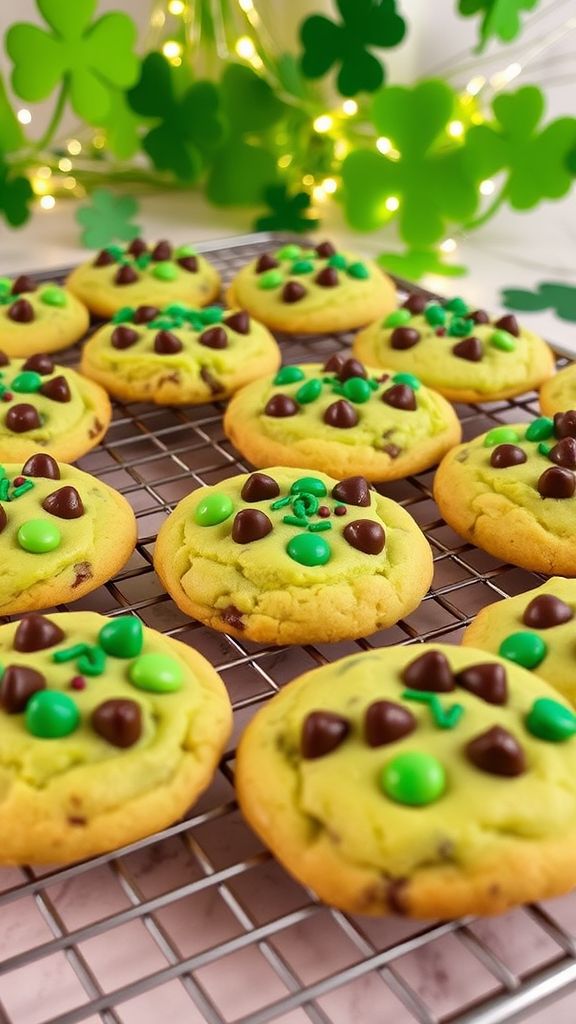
[(24, 116), (455, 129), (392, 203), (319, 194), (171, 49), (475, 85), (308, 180), (245, 48), (322, 124), (448, 245), (383, 145), (44, 172), (285, 160), (246, 5), (47, 202), (65, 164), (350, 107), (74, 147), (330, 185), (487, 187), (176, 7), (502, 78), (69, 182)]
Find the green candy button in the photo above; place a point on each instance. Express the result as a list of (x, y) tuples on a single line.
[(51, 715), (501, 435), (435, 316), (309, 549), (309, 392), (270, 279), (302, 267), (38, 536), (540, 429), (309, 485), (289, 252), (289, 375), (338, 260), (53, 296), (413, 778), (359, 271), (502, 340), (398, 318), (549, 720), (27, 382), (213, 510), (526, 649), (122, 637), (185, 250), (407, 378), (157, 673), (165, 271), (357, 389)]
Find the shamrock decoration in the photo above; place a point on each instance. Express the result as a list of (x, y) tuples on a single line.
[(11, 134), (365, 23), (415, 263), (86, 58), (432, 183), (536, 161), (15, 197), (107, 218), (189, 125), (548, 295), (499, 17), (288, 212)]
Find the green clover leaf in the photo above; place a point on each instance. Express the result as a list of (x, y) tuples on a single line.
[(500, 18), (121, 127), (287, 212), (11, 133), (107, 218), (87, 58), (415, 263), (190, 125), (365, 23), (15, 197), (536, 160), (548, 295), (432, 182)]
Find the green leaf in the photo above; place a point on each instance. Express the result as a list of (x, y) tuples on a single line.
[(16, 196), (11, 134), (106, 218), (287, 212), (239, 174), (549, 295), (415, 263), (248, 101), (121, 126), (499, 18)]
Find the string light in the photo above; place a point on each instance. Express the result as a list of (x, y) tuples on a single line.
[(40, 186), (176, 7), (448, 245), (47, 202), (323, 123), (99, 140), (24, 116), (44, 172), (246, 5), (330, 185), (245, 47), (383, 145), (65, 164), (69, 182), (455, 129), (350, 107), (487, 187), (308, 179), (392, 203), (74, 147), (171, 49), (502, 78), (318, 193), (285, 160), (158, 18), (475, 85)]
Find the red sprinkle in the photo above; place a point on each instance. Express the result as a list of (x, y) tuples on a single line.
[(340, 510), (440, 331), (323, 512), (18, 480), (7, 396), (78, 683)]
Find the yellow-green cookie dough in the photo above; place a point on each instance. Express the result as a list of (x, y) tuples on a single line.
[(108, 732), (430, 781), (536, 630), (512, 491), (343, 418), (62, 534), (179, 355), (309, 291), (463, 353), (38, 316), (287, 557), (141, 274), (559, 393), (49, 408)]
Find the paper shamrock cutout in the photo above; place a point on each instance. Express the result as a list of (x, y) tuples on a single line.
[(107, 218), (121, 127), (431, 182), (535, 160), (571, 159), (15, 197), (87, 58), (415, 263), (249, 103), (500, 18), (548, 295), (189, 124), (11, 134), (365, 23), (288, 212)]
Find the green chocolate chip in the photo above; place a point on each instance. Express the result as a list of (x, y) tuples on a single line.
[(357, 389), (407, 378), (185, 250), (53, 296), (459, 328), (526, 649), (503, 341), (157, 673), (302, 267), (359, 271), (51, 715), (38, 536), (123, 315), (122, 637), (457, 306), (165, 271), (540, 429), (501, 435), (435, 315), (309, 549), (309, 392), (414, 779), (550, 720), (310, 484), (26, 383), (213, 509), (289, 252), (210, 315), (398, 318), (338, 260), (289, 375), (270, 279)]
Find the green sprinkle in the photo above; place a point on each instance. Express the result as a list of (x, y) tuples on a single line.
[(289, 252), (53, 296), (406, 378), (524, 648), (295, 521), (308, 549), (309, 484), (398, 318), (540, 429), (459, 328), (503, 341), (165, 271), (414, 779), (122, 316), (319, 527), (185, 250), (179, 309), (164, 322), (280, 503), (211, 315), (338, 260), (545, 449), (358, 270), (435, 315), (309, 392), (457, 306), (305, 504), (5, 284), (4, 488), (444, 718), (357, 390), (501, 435), (22, 489), (70, 653), (92, 662), (302, 267), (550, 720), (270, 279), (289, 375), (27, 382)]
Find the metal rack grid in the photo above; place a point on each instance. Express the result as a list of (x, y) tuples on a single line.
[(198, 922)]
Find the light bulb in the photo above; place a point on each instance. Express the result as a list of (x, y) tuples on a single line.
[(330, 185), (171, 49), (350, 107), (322, 123), (74, 146), (65, 164), (47, 202)]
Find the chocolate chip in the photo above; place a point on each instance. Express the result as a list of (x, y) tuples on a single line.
[(250, 524), (3, 519), (21, 311), (35, 633), (40, 363), (125, 275), (281, 405), (471, 349), (486, 681), (118, 721), (65, 503), (259, 487), (324, 249), (144, 314), (546, 611), (352, 368), (322, 732), (565, 424), (396, 893), (4, 360), (341, 414), (479, 316), (82, 573), (208, 377), (564, 453), (327, 278), (167, 344), (266, 262), (335, 363), (508, 323), (392, 450), (431, 672), (293, 291), (239, 322), (497, 752), (137, 247), (189, 263), (123, 337), (41, 465), (162, 250), (24, 283), (400, 396), (557, 483), (505, 455), (19, 683), (404, 337), (232, 616), (22, 417), (214, 337), (56, 389), (386, 722), (416, 304), (365, 536), (104, 259), (353, 490)]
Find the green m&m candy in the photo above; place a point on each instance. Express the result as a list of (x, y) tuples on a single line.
[(398, 318), (358, 270), (338, 260), (501, 435), (309, 392), (38, 536), (270, 279), (457, 305), (122, 637), (157, 673), (413, 778), (503, 341), (540, 429), (289, 375), (53, 296), (310, 484), (302, 267), (525, 648), (309, 549), (213, 509), (165, 270), (26, 383), (50, 715), (289, 252), (357, 389), (407, 378), (550, 720), (185, 250)]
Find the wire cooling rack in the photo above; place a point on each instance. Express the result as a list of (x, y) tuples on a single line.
[(198, 923)]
